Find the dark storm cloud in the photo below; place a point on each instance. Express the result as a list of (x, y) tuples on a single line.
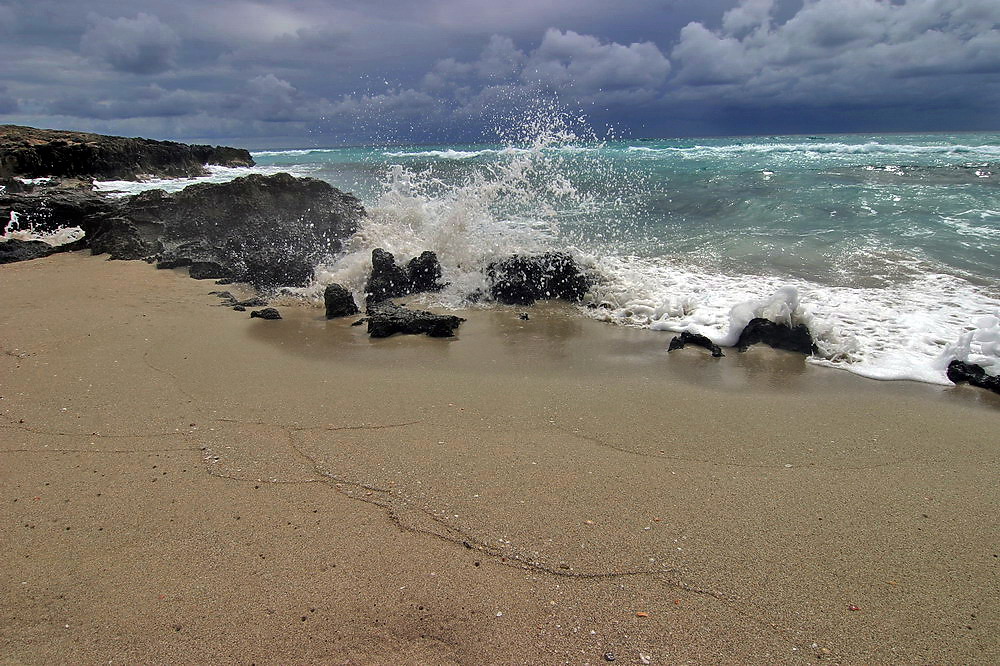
[(938, 59), (140, 45), (441, 69), (8, 104)]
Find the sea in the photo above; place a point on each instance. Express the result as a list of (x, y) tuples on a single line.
[(887, 246)]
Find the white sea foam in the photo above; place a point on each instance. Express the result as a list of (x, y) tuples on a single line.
[(505, 206), (901, 332), (16, 229), (293, 153), (447, 154), (906, 330), (975, 223), (416, 212), (821, 149), (454, 154), (216, 174)]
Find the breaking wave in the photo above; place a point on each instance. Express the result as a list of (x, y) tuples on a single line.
[(551, 186)]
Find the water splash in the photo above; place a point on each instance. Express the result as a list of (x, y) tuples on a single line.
[(521, 198), (18, 229)]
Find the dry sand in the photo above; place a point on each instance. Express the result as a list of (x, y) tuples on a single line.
[(181, 484)]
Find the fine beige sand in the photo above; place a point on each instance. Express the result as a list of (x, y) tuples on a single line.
[(181, 484)]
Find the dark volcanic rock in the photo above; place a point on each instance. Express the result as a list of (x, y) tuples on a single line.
[(49, 207), (688, 338), (18, 250), (385, 319), (228, 300), (269, 231), (387, 280), (266, 313), (521, 280), (73, 204), (32, 153), (173, 262), (780, 336), (207, 270), (424, 273), (339, 302), (974, 374), (120, 239)]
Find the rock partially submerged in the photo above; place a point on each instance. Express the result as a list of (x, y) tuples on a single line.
[(339, 302), (424, 273), (688, 338), (389, 280), (385, 319), (522, 280), (780, 336), (228, 300), (959, 371), (33, 153)]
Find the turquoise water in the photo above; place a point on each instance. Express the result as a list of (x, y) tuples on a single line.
[(860, 209), (889, 244), (886, 246)]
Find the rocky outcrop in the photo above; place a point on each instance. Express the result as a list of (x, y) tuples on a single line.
[(119, 238), (268, 231), (32, 153), (959, 371), (339, 302), (14, 250), (688, 338), (53, 205), (522, 280), (385, 319), (780, 336)]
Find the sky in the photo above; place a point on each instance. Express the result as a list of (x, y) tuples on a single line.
[(299, 73)]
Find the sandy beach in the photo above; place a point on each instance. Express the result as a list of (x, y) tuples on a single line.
[(181, 484)]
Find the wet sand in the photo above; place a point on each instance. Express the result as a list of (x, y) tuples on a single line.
[(181, 484)]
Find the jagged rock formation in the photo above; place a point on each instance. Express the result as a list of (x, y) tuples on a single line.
[(19, 250), (424, 273), (32, 153), (522, 280), (339, 302), (269, 231), (688, 338), (266, 313), (389, 280), (385, 319), (959, 371), (780, 336)]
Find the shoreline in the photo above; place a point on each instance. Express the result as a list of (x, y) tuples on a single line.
[(542, 491), (559, 338)]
